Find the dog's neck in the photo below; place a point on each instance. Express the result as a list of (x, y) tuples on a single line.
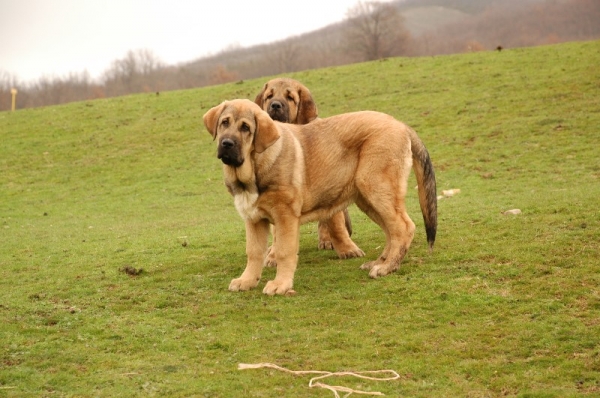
[(246, 183), (241, 184), (240, 179)]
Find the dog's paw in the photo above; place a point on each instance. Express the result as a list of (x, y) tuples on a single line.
[(348, 249), (325, 245), (271, 263), (279, 287), (242, 284), (270, 260), (381, 270), (353, 253), (369, 265)]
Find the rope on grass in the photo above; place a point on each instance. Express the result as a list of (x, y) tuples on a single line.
[(335, 389)]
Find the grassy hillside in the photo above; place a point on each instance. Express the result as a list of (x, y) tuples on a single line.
[(507, 305)]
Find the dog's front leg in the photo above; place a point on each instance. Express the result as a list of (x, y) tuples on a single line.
[(257, 234), (286, 242), (271, 261), (343, 245)]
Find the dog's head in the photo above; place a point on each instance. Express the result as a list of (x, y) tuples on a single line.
[(288, 101), (240, 127)]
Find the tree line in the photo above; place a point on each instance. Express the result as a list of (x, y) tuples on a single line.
[(371, 30)]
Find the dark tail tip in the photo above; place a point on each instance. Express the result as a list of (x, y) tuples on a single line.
[(431, 231)]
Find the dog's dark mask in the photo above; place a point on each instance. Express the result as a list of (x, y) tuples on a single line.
[(229, 152), (278, 110)]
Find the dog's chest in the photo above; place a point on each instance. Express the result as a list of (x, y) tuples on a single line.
[(245, 203)]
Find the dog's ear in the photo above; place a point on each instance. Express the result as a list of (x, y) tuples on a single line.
[(266, 131), (211, 118), (259, 98), (307, 109)]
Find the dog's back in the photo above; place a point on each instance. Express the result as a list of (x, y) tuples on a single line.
[(339, 149)]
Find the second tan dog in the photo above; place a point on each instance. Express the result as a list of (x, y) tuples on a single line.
[(280, 174), (289, 101)]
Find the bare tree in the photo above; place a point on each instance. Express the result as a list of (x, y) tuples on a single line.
[(376, 30), (133, 73), (221, 75), (284, 55)]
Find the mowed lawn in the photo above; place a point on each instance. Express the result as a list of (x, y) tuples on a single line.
[(119, 239)]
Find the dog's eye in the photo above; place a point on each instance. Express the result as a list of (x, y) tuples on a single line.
[(245, 128), (290, 98), (225, 122), (269, 96)]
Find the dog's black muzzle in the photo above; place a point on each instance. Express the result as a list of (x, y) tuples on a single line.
[(278, 110), (229, 152)]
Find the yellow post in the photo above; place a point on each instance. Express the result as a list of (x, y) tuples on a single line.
[(13, 91)]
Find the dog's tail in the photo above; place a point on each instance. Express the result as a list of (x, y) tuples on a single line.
[(426, 184)]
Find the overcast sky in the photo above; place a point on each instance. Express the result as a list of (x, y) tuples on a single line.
[(56, 37)]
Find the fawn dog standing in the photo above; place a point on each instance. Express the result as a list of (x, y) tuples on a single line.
[(289, 101), (281, 174)]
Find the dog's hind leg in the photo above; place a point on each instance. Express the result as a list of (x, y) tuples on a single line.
[(399, 231), (257, 235), (373, 215), (382, 198)]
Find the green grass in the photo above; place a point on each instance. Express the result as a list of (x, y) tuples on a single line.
[(505, 306)]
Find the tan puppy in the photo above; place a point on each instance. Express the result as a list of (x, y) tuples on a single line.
[(289, 101), (281, 174)]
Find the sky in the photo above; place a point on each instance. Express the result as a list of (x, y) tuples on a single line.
[(52, 38)]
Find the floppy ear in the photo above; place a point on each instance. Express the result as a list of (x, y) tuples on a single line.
[(211, 118), (259, 98), (307, 109), (266, 131)]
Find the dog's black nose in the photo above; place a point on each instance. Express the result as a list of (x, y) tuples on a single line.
[(227, 143), (276, 105)]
